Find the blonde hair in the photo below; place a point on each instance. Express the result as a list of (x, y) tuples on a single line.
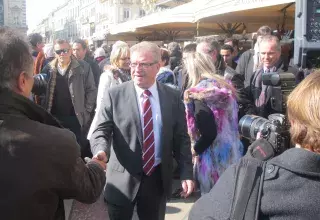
[(304, 113), (200, 66), (119, 49)]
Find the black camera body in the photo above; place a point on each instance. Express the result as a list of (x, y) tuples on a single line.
[(274, 131), (282, 85)]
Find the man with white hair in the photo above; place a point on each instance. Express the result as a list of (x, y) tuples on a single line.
[(147, 125), (270, 61)]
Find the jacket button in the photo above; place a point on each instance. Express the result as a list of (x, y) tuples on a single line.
[(270, 168)]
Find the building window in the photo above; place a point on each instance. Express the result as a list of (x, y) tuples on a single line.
[(16, 20), (125, 1), (142, 13), (126, 13), (93, 11)]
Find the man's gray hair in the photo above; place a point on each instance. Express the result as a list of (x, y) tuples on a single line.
[(271, 39), (64, 41), (146, 46), (15, 57), (211, 43)]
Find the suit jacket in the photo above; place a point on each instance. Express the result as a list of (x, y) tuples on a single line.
[(119, 119)]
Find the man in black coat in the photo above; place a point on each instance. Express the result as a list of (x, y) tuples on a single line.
[(40, 161), (80, 51), (271, 62), (69, 92)]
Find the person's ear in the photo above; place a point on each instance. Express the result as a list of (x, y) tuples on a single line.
[(158, 65), (21, 83)]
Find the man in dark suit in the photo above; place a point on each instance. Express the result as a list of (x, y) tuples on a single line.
[(146, 122)]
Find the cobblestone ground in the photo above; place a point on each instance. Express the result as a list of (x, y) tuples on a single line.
[(177, 209)]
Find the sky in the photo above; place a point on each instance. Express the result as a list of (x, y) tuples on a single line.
[(39, 9)]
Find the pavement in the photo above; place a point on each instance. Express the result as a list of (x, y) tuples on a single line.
[(177, 209)]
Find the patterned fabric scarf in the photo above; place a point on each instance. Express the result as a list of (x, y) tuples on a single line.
[(227, 148), (265, 94), (123, 74)]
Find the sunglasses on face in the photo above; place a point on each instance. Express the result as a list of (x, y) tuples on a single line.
[(65, 51)]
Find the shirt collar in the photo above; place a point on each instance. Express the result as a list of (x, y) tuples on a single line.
[(67, 66), (153, 89)]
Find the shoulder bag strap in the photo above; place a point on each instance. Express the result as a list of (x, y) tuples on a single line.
[(247, 195)]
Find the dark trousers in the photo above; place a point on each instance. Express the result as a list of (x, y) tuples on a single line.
[(72, 123), (150, 201)]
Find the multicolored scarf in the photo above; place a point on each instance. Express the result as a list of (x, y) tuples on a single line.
[(227, 148)]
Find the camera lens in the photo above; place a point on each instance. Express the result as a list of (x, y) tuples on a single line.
[(250, 125)]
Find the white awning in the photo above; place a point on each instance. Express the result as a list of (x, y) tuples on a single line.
[(208, 12), (217, 7), (180, 14)]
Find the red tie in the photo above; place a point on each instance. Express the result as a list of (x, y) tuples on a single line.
[(148, 148)]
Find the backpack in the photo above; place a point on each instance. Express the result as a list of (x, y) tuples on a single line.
[(249, 181)]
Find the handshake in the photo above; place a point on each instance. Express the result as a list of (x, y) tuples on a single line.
[(100, 158)]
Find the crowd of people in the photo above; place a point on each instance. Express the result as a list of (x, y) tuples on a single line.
[(80, 123)]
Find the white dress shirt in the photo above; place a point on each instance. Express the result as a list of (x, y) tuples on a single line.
[(61, 70), (156, 116)]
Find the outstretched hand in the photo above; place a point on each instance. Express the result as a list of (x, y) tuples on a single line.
[(101, 158), (187, 188)]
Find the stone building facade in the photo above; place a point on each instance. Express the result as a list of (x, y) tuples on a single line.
[(13, 14)]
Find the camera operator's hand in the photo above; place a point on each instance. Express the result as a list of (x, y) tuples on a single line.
[(258, 135)]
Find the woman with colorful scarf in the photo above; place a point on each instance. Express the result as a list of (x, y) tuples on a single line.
[(212, 118)]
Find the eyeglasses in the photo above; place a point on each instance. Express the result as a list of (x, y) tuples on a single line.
[(143, 65), (65, 51)]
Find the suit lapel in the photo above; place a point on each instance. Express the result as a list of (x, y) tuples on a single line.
[(165, 113), (134, 112)]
